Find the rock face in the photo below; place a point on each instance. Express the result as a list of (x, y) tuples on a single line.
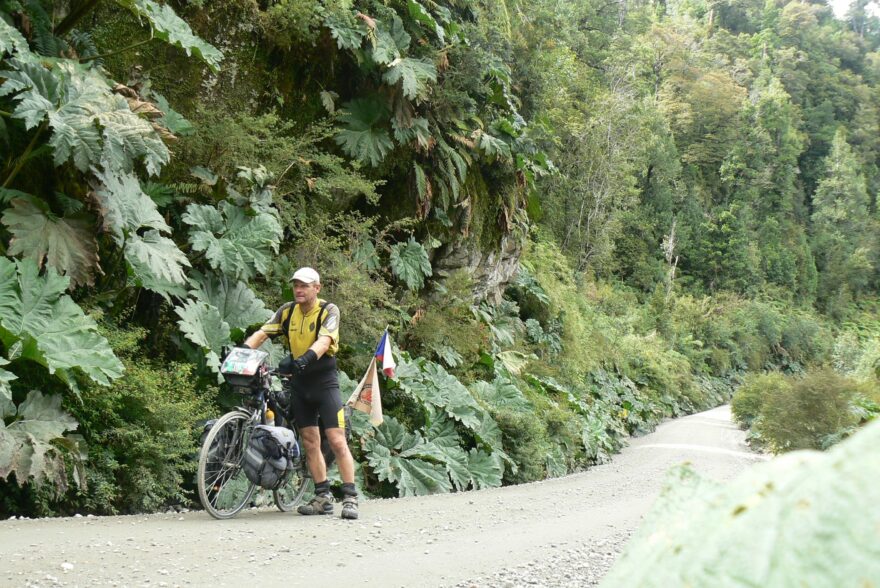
[(490, 270)]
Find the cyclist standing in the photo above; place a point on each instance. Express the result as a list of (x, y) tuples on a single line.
[(311, 326)]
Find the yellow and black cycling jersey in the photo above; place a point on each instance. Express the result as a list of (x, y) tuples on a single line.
[(301, 332)]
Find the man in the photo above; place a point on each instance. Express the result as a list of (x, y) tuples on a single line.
[(311, 326)]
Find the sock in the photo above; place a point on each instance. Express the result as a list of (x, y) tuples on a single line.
[(322, 487), (349, 490)]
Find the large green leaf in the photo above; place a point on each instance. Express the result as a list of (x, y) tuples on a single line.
[(29, 446), (67, 243), (125, 207), (157, 263), (235, 243), (364, 136), (420, 14), (486, 469), (410, 263), (389, 40), (413, 76), (171, 28), (431, 384), (90, 124), (391, 453), (417, 132), (501, 393), (202, 324), (238, 305), (348, 32), (51, 328), (803, 519), (11, 40), (6, 405)]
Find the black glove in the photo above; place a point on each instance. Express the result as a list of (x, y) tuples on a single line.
[(303, 361)]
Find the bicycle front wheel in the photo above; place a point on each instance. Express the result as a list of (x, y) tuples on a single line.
[(291, 493), (223, 487)]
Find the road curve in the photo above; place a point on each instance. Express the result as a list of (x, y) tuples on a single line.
[(445, 540)]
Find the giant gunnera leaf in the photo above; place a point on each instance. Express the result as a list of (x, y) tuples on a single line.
[(155, 260), (234, 242), (33, 445), (364, 136), (45, 325), (6, 406), (172, 29), (90, 124), (413, 76), (803, 519), (202, 324), (237, 304), (10, 39), (393, 453), (410, 264), (65, 243)]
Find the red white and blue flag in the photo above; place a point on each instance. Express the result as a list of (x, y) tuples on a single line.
[(383, 354)]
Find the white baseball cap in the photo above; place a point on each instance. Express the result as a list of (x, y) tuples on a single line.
[(306, 275)]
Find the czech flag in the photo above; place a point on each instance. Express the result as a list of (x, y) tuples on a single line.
[(383, 354)]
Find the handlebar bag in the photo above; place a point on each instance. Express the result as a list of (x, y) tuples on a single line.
[(271, 453)]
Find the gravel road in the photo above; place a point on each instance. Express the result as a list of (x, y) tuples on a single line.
[(561, 532)]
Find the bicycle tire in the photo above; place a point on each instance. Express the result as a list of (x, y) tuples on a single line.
[(223, 487), (291, 493)]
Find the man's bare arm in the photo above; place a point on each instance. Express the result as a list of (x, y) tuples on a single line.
[(256, 339)]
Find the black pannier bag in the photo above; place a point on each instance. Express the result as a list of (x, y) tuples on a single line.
[(271, 453)]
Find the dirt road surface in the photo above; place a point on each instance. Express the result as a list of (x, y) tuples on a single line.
[(487, 538)]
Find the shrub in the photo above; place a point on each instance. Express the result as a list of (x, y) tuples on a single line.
[(526, 442), (142, 432), (808, 413), (749, 397)]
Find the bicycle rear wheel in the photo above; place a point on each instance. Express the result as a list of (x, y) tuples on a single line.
[(223, 487), (291, 493)]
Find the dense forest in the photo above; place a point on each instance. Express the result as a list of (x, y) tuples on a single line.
[(576, 217)]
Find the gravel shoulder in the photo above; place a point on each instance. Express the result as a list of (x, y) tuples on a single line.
[(560, 532)]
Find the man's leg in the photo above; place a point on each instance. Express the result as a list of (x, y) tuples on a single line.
[(338, 444), (322, 502)]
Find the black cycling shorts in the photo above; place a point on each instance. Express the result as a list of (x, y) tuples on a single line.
[(316, 396)]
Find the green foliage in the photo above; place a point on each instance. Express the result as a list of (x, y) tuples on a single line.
[(449, 330), (782, 518), (203, 324), (169, 27), (413, 76), (234, 243), (90, 124), (142, 433), (748, 400), (364, 137), (808, 412), (34, 443), (39, 322), (66, 244), (410, 264)]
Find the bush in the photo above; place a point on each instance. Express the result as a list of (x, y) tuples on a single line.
[(809, 413), (141, 432), (526, 442), (749, 397)]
